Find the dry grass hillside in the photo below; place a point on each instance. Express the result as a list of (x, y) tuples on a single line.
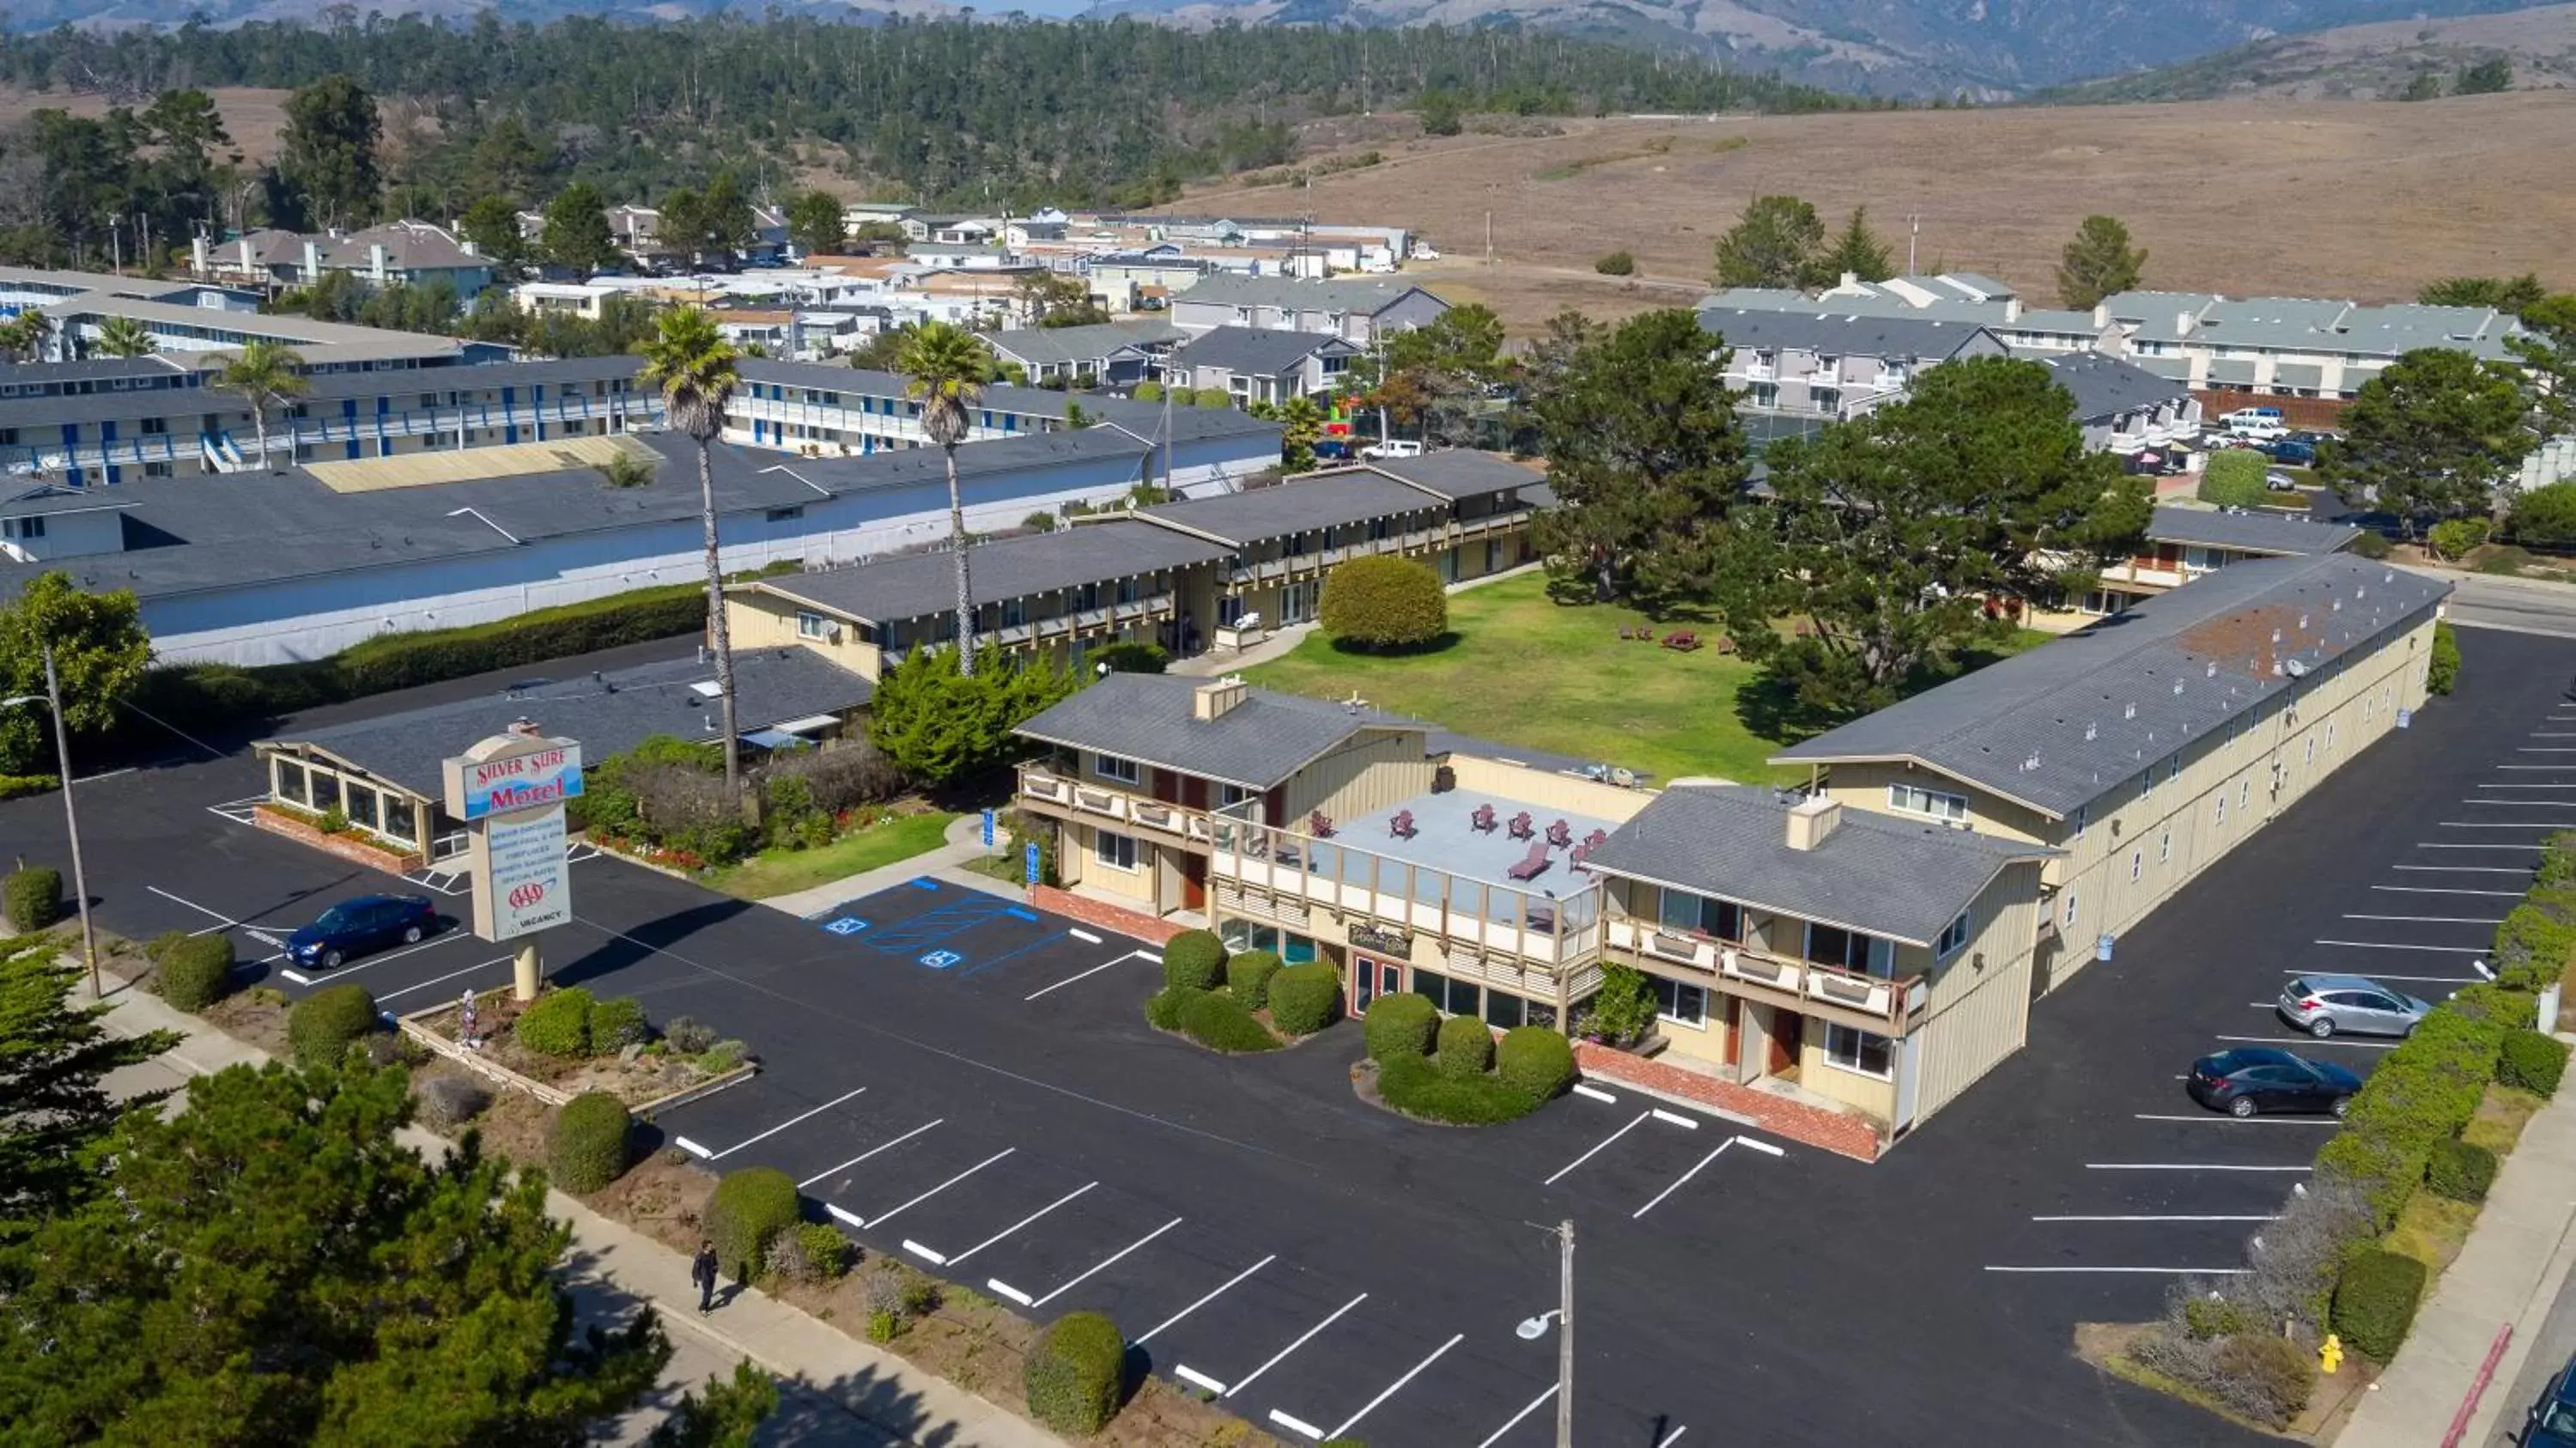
[(2330, 198)]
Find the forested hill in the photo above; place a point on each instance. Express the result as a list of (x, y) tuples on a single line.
[(983, 113)]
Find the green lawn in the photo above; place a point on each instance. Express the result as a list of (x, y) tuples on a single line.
[(1524, 670), (777, 871)]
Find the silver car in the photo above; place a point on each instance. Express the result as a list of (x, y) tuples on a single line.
[(2324, 1004)]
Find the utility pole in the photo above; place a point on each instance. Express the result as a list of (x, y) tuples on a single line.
[(1913, 233), (71, 819), (1564, 1331), (1489, 238)]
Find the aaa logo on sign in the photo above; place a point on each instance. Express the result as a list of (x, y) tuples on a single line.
[(527, 895)]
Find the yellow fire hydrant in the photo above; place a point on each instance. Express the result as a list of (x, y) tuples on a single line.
[(2330, 1356)]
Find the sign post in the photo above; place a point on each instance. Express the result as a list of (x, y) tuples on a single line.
[(510, 791)]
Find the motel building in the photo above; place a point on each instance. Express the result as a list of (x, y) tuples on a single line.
[(1867, 945)]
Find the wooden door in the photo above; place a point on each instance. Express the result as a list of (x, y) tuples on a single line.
[(1788, 1028)]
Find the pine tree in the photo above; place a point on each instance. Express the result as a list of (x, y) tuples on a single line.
[(2099, 263), (1859, 251), (53, 1109)]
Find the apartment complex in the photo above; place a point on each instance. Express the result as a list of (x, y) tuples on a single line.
[(2188, 542), (1869, 944)]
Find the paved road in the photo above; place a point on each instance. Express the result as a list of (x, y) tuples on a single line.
[(2551, 1347), (974, 1089), (2518, 604)]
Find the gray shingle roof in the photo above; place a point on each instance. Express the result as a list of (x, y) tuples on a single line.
[(606, 714), (1874, 874), (1248, 517), (1038, 346), (1256, 744), (1460, 473), (1258, 351), (2075, 718), (1841, 334), (1366, 296), (921, 585), (2106, 387), (2249, 532)]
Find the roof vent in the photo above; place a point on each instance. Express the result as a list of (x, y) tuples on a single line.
[(524, 727), (2177, 686), (2129, 710), (2090, 731), (2210, 672), (2294, 668)]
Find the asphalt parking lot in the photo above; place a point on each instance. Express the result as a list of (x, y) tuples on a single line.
[(968, 1083)]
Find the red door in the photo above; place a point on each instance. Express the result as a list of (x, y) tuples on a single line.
[(1787, 1029)]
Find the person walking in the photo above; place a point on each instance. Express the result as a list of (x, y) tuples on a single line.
[(702, 1271)]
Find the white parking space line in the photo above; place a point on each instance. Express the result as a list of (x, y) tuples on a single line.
[(790, 1121), (2465, 870), (879, 1221), (227, 922), (1685, 1177), (2178, 1166), (290, 975), (2220, 1118), (2523, 803), (1085, 936), (389, 957), (1110, 1261), (2389, 945), (1007, 1290), (2542, 749), (2500, 825), (1302, 1339), (1669, 1437), (1343, 1430), (424, 985), (1595, 1092), (2448, 889), (1227, 1286), (1086, 975), (1022, 1222), (2535, 784), (2188, 1218), (1295, 1425), (1597, 1146), (2434, 919), (2413, 979), (1534, 1405), (2154, 1271), (1189, 1374), (924, 1253), (1675, 1118), (702, 1154), (2310, 1041), (2424, 845), (871, 1151)]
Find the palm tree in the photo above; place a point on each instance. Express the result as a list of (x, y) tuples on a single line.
[(22, 337), (264, 373), (689, 359), (947, 368), (123, 337)]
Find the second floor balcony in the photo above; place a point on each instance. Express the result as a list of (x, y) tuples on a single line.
[(1877, 1003)]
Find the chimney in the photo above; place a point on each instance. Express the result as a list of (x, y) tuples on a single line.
[(200, 260), (1812, 821), (1214, 698), (312, 261), (2182, 324), (524, 727), (376, 257), (2012, 308)]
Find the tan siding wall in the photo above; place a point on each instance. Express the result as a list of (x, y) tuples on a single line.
[(2001, 926), (761, 621), (1985, 1023), (1821, 1076), (1076, 864), (1374, 770), (1546, 789)]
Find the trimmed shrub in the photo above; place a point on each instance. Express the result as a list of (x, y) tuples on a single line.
[(615, 1024), (323, 1025), (2213, 1317), (2372, 545), (2234, 478), (586, 1147), (2444, 674), (1384, 602), (1194, 960), (2454, 537), (1146, 392), (1075, 1373), (2533, 1061), (1304, 998), (2531, 948), (32, 898), (748, 1211), (2491, 1004), (558, 1024), (1465, 1047), (2545, 515), (1214, 399), (1163, 1007), (812, 1253), (1220, 1023), (19, 786), (723, 1056), (2269, 1377), (1616, 264), (195, 971), (1131, 656), (1536, 1061), (447, 1102), (686, 1036), (2374, 1301), (2557, 858), (1403, 1024), (1247, 977), (1417, 1087), (2461, 1171)]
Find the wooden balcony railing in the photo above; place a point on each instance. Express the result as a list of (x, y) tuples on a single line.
[(1770, 976)]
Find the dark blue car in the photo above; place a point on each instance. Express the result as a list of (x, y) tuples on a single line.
[(2553, 1418), (2292, 451), (355, 927)]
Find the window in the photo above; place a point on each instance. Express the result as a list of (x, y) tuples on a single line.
[(2222, 809), (2244, 791), (2137, 865), (360, 806), (1230, 795), (1681, 1003), (290, 781), (1110, 766), (1453, 997), (1858, 1051), (784, 515), (2066, 920), (2083, 816), (1914, 799), (1833, 945), (2164, 847), (22, 527), (1115, 850), (1681, 910), (2311, 751), (2330, 728), (811, 625), (2147, 782), (2173, 768)]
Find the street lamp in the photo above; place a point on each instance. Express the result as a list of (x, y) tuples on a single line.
[(1531, 1329), (52, 699)]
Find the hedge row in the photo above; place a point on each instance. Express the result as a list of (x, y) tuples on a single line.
[(1452, 1071), (2423, 1092)]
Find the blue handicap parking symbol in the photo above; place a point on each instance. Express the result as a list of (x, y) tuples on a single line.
[(847, 925), (941, 959)]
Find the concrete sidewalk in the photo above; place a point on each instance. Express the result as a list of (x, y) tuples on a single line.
[(2517, 1259), (964, 842), (836, 1389)]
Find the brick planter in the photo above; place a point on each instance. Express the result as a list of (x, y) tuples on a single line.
[(356, 849), (1108, 917), (1835, 1131)]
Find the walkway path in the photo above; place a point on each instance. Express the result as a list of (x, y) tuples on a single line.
[(964, 842), (835, 1389), (2512, 1270)]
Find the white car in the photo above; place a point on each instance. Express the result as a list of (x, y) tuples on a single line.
[(1394, 447), (2280, 482)]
